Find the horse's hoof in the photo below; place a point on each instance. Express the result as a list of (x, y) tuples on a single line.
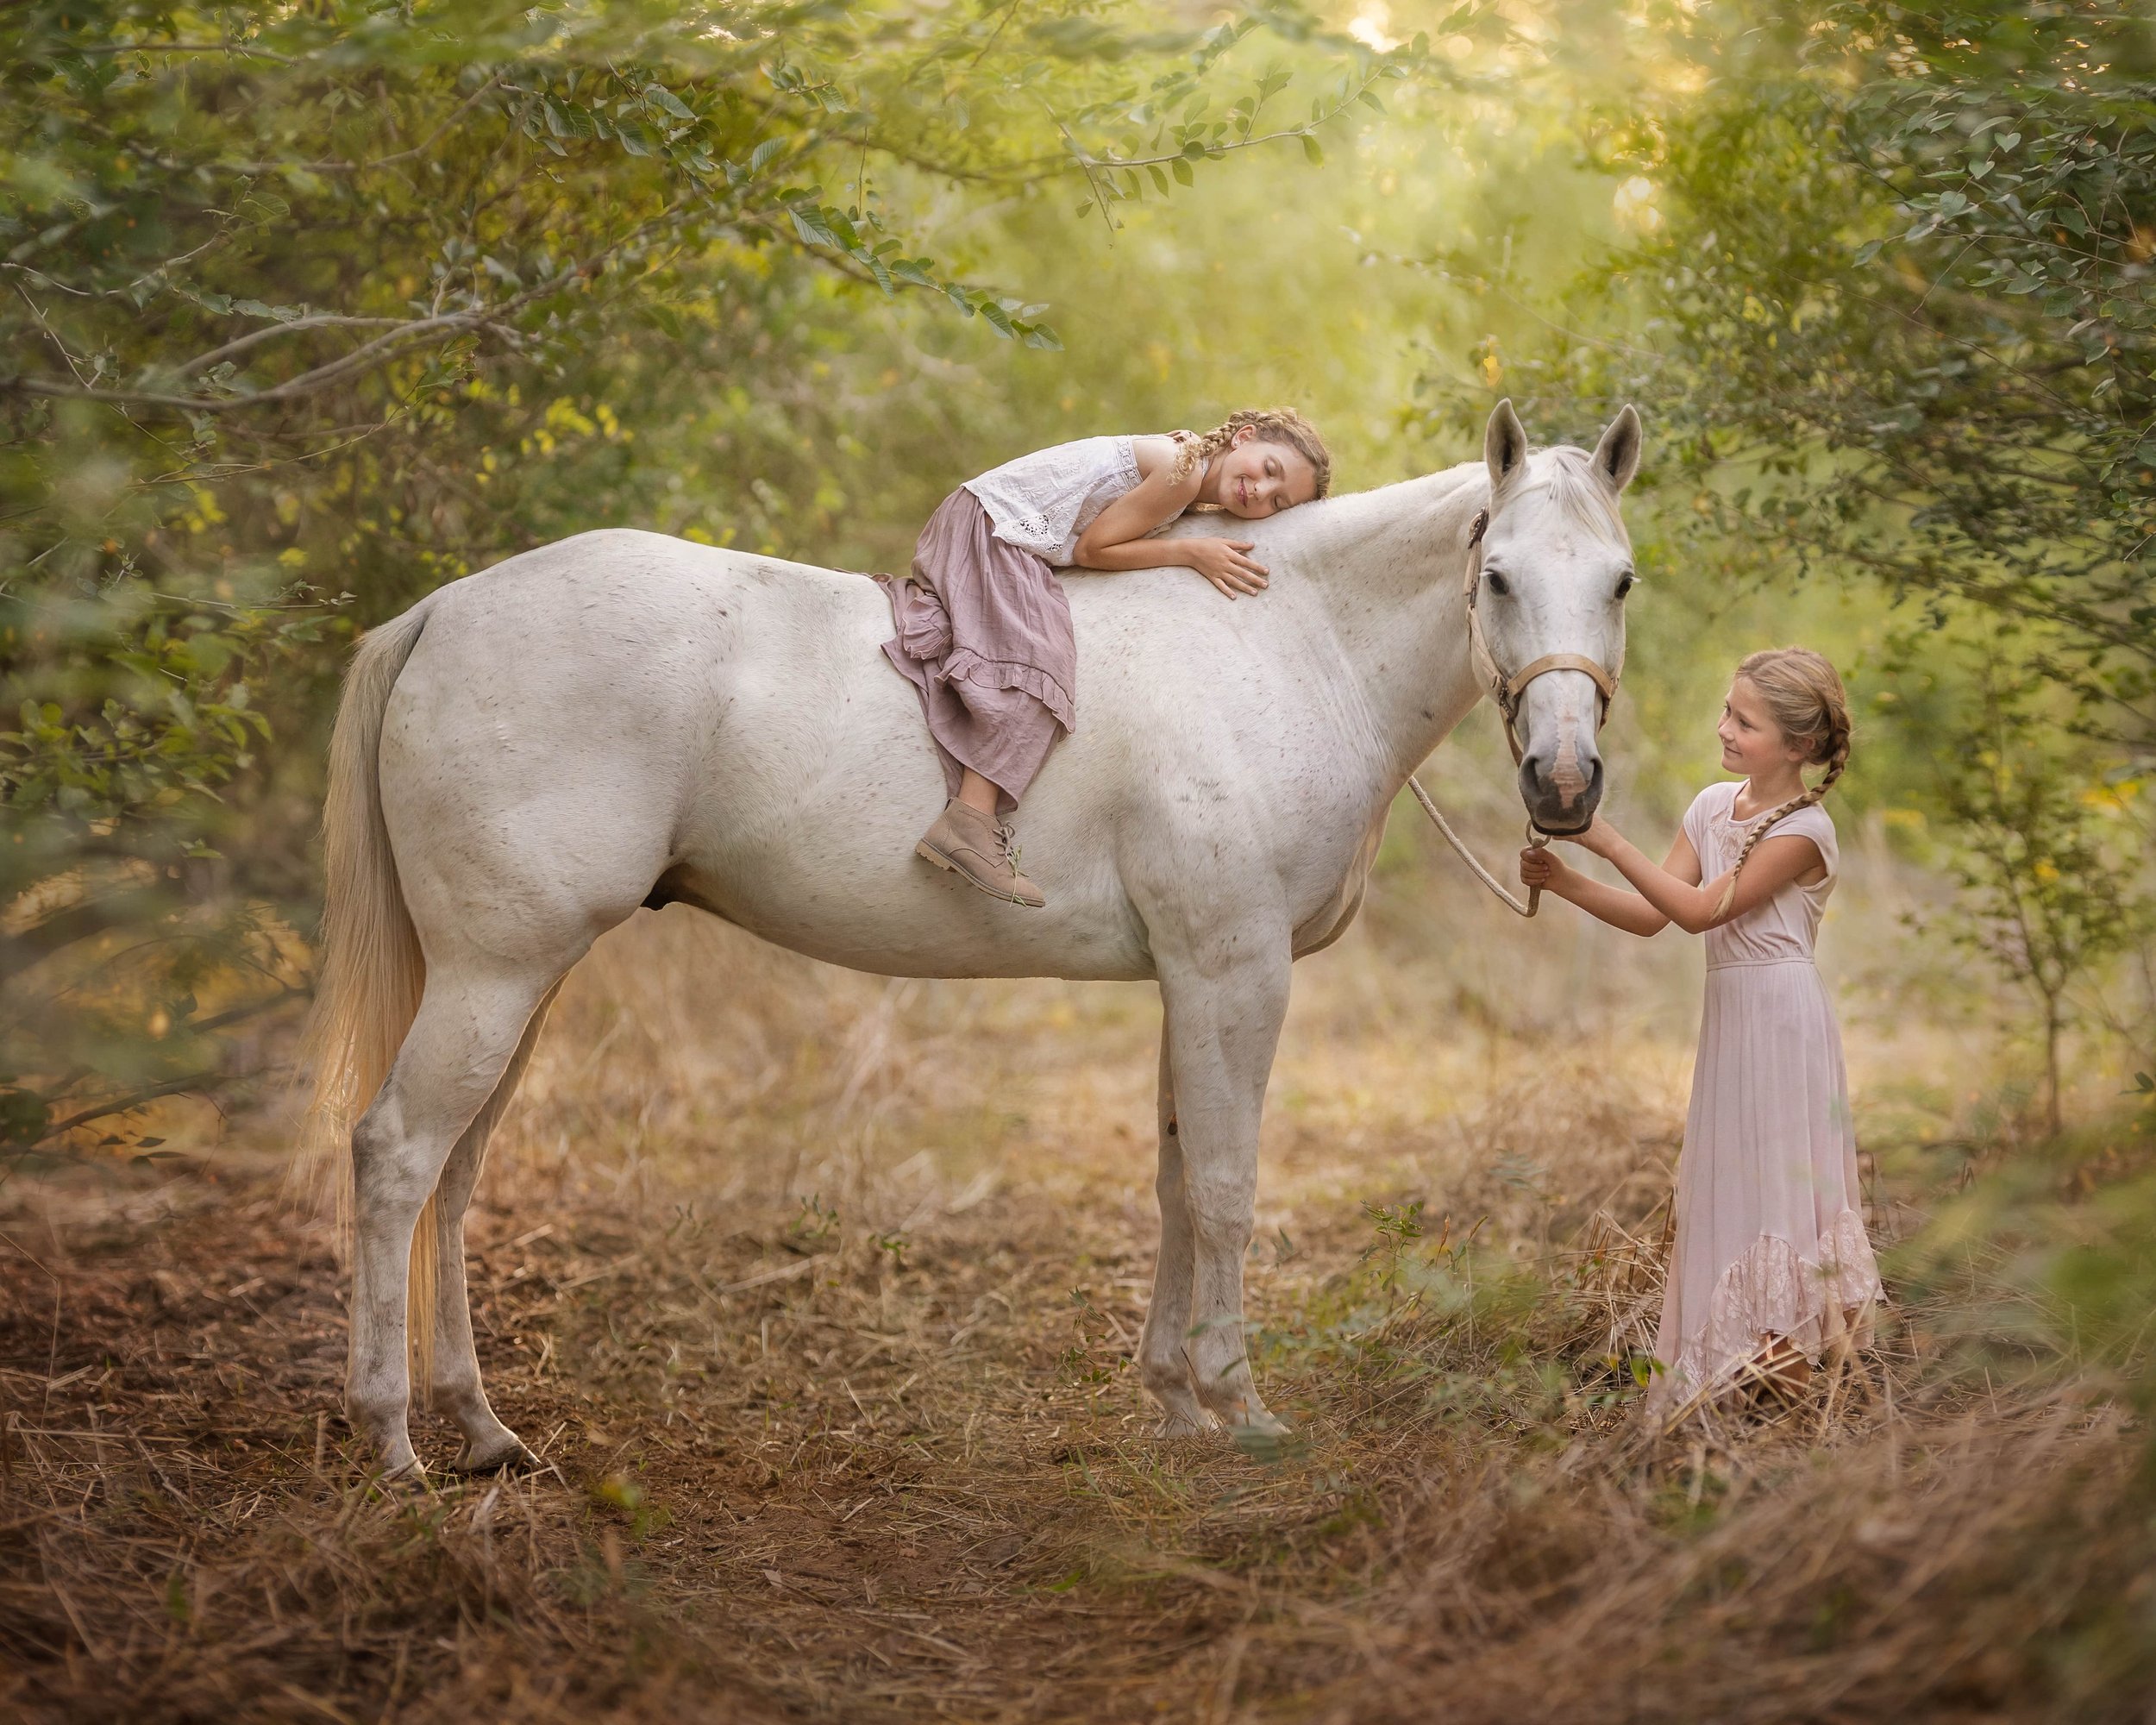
[(1262, 1435), (509, 1456), (1181, 1425)]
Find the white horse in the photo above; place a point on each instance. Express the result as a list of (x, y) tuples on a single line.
[(529, 755)]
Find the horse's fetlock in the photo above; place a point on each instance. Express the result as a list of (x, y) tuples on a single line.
[(1161, 1374), (373, 1414)]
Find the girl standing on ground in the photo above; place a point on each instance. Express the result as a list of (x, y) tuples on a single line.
[(984, 627), (1771, 1263)]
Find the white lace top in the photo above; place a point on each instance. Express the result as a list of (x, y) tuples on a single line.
[(1041, 502)]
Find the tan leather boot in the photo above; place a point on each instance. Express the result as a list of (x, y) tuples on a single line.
[(978, 849)]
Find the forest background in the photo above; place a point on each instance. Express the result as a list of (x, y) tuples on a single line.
[(304, 317), (307, 310)]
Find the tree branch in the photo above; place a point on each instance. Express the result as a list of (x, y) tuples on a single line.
[(121, 1105), (365, 356), (320, 321), (19, 951), (184, 47)]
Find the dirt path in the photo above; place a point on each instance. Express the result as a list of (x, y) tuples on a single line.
[(800, 1473), (850, 1479)]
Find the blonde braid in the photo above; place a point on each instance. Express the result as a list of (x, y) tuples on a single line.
[(1804, 695), (1270, 425)]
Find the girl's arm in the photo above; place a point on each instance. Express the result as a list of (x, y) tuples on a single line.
[(1612, 905), (1116, 538), (1679, 897)]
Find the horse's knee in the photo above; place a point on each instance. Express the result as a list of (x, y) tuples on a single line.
[(1223, 1214), (387, 1176)]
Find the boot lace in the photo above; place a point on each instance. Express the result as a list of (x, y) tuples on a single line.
[(1007, 842)]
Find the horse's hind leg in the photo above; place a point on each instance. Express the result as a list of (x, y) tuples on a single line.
[(1161, 1367), (470, 1023), (488, 1444)]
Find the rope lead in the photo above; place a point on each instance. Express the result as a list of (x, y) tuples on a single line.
[(1536, 836)]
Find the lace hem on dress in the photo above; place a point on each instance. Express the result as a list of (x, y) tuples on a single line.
[(1772, 1290)]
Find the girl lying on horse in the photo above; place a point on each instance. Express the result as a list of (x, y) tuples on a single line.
[(984, 628)]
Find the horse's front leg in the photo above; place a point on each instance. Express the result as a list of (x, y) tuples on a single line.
[(1223, 1026), (1161, 1365)]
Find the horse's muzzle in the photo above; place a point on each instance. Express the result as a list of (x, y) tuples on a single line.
[(1562, 797)]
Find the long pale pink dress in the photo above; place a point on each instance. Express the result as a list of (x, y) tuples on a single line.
[(1770, 1221)]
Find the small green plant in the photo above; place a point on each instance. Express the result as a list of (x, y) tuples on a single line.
[(1398, 1227), (1089, 1360), (1396, 1223), (816, 1222), (895, 1243)]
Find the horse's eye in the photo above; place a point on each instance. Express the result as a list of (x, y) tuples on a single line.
[(1498, 584), (1624, 583)]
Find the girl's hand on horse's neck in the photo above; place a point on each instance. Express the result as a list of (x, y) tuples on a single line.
[(1251, 479)]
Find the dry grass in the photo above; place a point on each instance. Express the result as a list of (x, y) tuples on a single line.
[(816, 1294)]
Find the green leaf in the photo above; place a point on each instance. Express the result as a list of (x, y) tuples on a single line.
[(666, 99), (1313, 150)]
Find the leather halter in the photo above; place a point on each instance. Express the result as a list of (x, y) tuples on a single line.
[(1506, 690)]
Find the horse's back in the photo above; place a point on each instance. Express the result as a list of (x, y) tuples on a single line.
[(722, 728)]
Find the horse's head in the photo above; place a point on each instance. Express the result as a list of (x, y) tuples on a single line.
[(1547, 606)]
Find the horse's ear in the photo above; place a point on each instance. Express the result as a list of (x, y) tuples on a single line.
[(1617, 456), (1504, 448)]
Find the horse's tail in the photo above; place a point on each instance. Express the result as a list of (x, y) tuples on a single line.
[(371, 972)]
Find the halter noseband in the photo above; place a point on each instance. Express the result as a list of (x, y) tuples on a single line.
[(1506, 690)]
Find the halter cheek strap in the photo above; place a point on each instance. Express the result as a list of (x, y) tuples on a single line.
[(1506, 690)]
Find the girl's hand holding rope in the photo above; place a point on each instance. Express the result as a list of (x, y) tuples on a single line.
[(1597, 837), (1542, 870)]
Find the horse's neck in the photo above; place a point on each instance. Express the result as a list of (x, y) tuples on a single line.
[(1388, 566)]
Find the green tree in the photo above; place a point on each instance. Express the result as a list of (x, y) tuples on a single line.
[(306, 311), (1891, 306), (2039, 854)]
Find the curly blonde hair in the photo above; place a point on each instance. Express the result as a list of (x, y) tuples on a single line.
[(1270, 425), (1804, 696)]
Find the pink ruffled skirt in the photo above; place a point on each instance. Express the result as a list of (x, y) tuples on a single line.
[(1769, 1220), (984, 635)]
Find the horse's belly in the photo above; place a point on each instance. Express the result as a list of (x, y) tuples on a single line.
[(900, 917), (803, 832), (823, 778)]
